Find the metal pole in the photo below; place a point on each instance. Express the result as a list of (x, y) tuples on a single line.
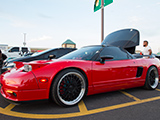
[(24, 43), (102, 20)]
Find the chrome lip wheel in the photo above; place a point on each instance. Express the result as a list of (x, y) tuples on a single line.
[(153, 78), (71, 88)]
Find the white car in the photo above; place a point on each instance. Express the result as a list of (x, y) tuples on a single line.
[(15, 52)]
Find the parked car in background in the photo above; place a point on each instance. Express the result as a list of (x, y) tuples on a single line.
[(17, 52), (157, 56), (138, 55), (47, 54), (28, 54)]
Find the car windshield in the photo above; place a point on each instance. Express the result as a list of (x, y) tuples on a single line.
[(85, 53)]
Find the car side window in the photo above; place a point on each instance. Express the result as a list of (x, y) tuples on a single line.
[(24, 50), (54, 52), (62, 52), (116, 52), (15, 49)]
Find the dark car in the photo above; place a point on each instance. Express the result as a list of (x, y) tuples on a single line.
[(47, 54), (157, 56)]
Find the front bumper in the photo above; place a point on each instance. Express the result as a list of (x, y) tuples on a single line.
[(23, 95), (18, 86)]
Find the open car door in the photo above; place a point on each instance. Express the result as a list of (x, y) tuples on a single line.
[(126, 38)]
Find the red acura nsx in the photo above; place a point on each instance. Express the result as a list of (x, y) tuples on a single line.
[(90, 70)]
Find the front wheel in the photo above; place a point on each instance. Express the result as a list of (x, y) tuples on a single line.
[(152, 78), (68, 88)]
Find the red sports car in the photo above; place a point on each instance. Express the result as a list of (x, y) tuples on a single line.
[(89, 70)]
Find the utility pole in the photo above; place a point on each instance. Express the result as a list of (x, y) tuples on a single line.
[(102, 20), (24, 43), (100, 4)]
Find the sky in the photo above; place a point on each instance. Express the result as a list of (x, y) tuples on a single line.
[(48, 23)]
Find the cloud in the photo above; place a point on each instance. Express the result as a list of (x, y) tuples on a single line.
[(135, 20), (138, 6), (43, 38), (44, 16), (16, 21), (158, 3), (21, 23)]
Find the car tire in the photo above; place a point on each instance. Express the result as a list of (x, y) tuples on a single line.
[(68, 88), (152, 78)]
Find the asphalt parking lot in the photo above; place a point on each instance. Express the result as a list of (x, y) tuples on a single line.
[(131, 104)]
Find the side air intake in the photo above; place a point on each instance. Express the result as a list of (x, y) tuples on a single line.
[(139, 71)]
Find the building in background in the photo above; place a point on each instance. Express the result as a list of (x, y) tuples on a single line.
[(68, 44), (3, 47)]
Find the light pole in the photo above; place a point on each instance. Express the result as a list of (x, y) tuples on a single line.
[(102, 20), (24, 43)]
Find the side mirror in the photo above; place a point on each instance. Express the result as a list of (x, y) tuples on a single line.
[(106, 57), (51, 57), (9, 51), (20, 54)]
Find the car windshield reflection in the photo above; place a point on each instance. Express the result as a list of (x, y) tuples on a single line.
[(85, 53), (40, 53)]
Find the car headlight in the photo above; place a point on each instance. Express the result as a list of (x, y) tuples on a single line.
[(10, 66), (27, 68)]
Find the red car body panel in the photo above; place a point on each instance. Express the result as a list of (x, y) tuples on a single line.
[(54, 68), (116, 75), (110, 76), (22, 84)]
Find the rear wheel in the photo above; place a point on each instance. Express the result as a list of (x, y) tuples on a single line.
[(68, 88), (152, 78)]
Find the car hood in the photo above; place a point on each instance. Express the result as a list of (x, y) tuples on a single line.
[(35, 64), (20, 59), (38, 62), (126, 38)]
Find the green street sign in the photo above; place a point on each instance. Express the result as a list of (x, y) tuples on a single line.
[(97, 4)]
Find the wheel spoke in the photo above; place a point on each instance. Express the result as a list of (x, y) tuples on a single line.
[(66, 95), (152, 77)]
